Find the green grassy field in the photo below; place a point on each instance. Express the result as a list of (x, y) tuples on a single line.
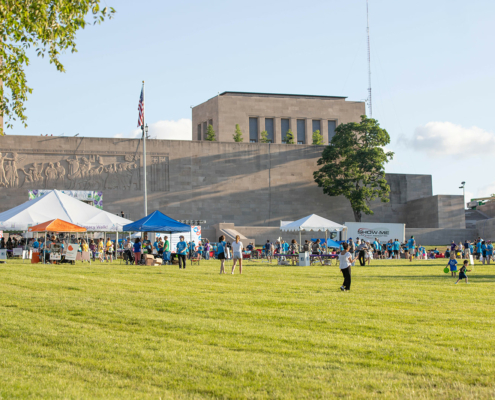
[(115, 331)]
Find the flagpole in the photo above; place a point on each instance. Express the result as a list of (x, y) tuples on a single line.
[(144, 162)]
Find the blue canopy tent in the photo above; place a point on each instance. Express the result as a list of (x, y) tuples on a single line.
[(157, 222), (330, 243)]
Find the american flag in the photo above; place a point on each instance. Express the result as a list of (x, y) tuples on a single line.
[(141, 108)]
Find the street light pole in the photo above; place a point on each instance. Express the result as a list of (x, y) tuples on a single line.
[(463, 187)]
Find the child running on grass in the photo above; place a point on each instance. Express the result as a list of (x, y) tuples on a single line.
[(462, 272), (452, 264)]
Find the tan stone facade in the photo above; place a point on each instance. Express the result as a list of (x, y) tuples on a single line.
[(245, 184), (298, 111)]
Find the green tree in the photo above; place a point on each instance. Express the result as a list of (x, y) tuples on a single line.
[(47, 26), (210, 134), (317, 137), (289, 137), (353, 165), (264, 137), (238, 134)]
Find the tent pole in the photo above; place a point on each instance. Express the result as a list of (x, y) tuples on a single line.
[(300, 244), (116, 244), (326, 241)]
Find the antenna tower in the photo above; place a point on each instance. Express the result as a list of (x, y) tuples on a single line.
[(369, 61)]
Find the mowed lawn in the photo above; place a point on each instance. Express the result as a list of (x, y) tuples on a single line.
[(116, 331)]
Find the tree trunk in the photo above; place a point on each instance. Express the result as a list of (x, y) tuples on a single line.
[(357, 215)]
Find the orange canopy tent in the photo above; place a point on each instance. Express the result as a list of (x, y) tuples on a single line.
[(56, 225)]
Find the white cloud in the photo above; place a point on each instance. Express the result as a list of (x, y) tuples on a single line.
[(446, 138), (172, 130), (168, 129)]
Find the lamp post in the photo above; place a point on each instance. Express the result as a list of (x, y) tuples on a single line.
[(463, 191)]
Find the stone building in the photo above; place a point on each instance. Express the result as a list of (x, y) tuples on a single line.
[(275, 114), (244, 187)]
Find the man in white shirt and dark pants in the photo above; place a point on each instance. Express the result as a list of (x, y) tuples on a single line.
[(237, 248)]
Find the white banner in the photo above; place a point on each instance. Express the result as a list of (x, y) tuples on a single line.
[(17, 252), (27, 254), (71, 253), (3, 254), (370, 231)]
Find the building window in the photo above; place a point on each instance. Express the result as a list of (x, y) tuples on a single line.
[(205, 127), (253, 130), (301, 131), (269, 129), (331, 130), (285, 123), (210, 122), (199, 131), (316, 125)]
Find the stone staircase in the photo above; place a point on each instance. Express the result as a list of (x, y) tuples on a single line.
[(472, 216)]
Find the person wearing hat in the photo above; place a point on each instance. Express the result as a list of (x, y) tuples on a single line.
[(362, 248), (411, 245)]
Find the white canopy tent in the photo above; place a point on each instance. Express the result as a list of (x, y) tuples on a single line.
[(56, 204), (311, 223)]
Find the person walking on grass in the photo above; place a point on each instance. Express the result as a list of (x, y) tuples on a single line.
[(462, 272), (109, 250), (237, 248), (489, 251), (137, 251), (345, 261), (182, 252), (268, 251), (101, 250), (452, 264), (411, 245), (221, 253)]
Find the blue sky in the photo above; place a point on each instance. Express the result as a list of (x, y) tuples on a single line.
[(432, 72)]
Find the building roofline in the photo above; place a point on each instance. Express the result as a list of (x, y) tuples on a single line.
[(257, 94)]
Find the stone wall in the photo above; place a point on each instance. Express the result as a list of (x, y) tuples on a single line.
[(486, 229), (441, 211), (241, 183), (488, 209)]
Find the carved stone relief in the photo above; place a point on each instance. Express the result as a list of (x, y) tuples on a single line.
[(83, 172)]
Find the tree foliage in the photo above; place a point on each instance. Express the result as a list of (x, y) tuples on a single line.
[(47, 26), (317, 137), (238, 134), (289, 137), (210, 134), (352, 165), (264, 137)]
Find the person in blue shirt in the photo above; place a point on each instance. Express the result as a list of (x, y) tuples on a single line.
[(453, 265), (221, 253), (155, 245), (137, 251), (192, 248), (411, 245), (285, 247), (36, 244), (182, 252), (396, 249), (478, 248), (489, 251), (377, 247), (483, 250), (390, 249)]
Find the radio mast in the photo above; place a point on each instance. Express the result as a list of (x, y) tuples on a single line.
[(370, 107)]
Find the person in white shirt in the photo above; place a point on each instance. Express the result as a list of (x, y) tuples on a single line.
[(345, 261), (237, 248)]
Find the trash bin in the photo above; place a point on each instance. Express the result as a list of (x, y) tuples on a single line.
[(35, 259)]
